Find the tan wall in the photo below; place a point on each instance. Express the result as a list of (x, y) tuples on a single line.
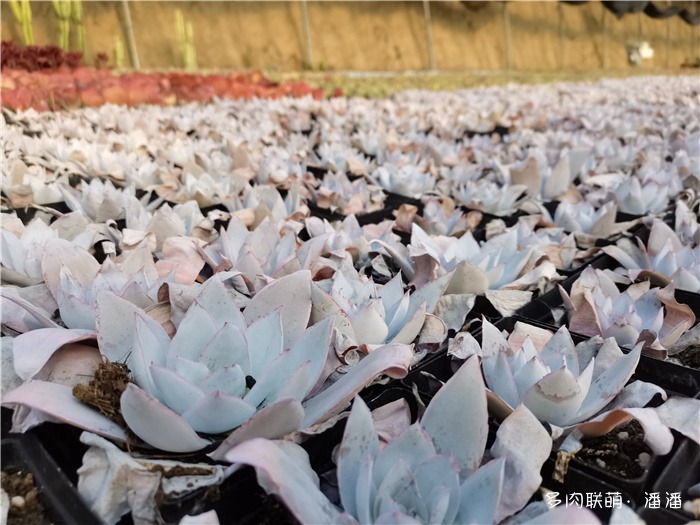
[(374, 35)]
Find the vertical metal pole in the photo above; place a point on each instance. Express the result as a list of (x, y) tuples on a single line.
[(129, 33), (308, 57), (668, 40), (506, 35), (604, 38), (695, 41), (560, 9), (429, 35)]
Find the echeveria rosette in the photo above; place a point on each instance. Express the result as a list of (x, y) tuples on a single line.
[(487, 196), (407, 180), (499, 268), (432, 472), (638, 314), (260, 255), (75, 278), (378, 315), (21, 255), (552, 380), (665, 258), (570, 385), (223, 369)]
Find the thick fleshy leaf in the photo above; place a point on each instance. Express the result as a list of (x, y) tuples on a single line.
[(499, 378), (32, 350), (228, 347), (59, 253), (174, 390), (481, 492), (214, 298), (272, 422), (369, 324), (522, 464), (683, 415), (218, 412), (557, 397), (359, 442), (230, 380), (392, 359), (265, 342), (411, 329), (313, 346), (121, 327), (58, 402), (571, 515), (413, 447), (156, 424), (608, 384), (433, 474), (293, 294), (457, 420), (279, 475), (194, 333)]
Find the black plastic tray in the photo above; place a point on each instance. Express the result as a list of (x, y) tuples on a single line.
[(60, 498)]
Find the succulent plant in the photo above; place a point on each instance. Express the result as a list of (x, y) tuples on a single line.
[(379, 315), (21, 255), (640, 314), (484, 195), (552, 379), (263, 253), (349, 197), (223, 368), (407, 180), (439, 217), (500, 268), (665, 258), (571, 385), (637, 199), (75, 279), (430, 473)]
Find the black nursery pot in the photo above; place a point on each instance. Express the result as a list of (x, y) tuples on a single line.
[(61, 501), (579, 485), (681, 473)]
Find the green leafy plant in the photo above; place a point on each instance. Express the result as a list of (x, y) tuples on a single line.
[(185, 39), (62, 8), (23, 13)]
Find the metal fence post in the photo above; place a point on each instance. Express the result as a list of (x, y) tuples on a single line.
[(129, 33), (429, 35), (506, 35), (560, 9), (604, 38), (308, 57)]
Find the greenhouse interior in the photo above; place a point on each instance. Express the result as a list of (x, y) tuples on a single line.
[(350, 262)]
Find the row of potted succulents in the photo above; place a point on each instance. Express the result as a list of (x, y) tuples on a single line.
[(497, 281), (47, 78)]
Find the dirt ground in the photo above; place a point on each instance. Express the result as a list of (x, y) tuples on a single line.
[(375, 36)]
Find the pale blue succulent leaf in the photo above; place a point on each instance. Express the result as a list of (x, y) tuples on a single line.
[(499, 378), (608, 384), (265, 342), (560, 344), (439, 472), (229, 346), (412, 446), (174, 391), (230, 380), (219, 304), (359, 442), (194, 333), (218, 412), (481, 492), (457, 419), (193, 371)]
